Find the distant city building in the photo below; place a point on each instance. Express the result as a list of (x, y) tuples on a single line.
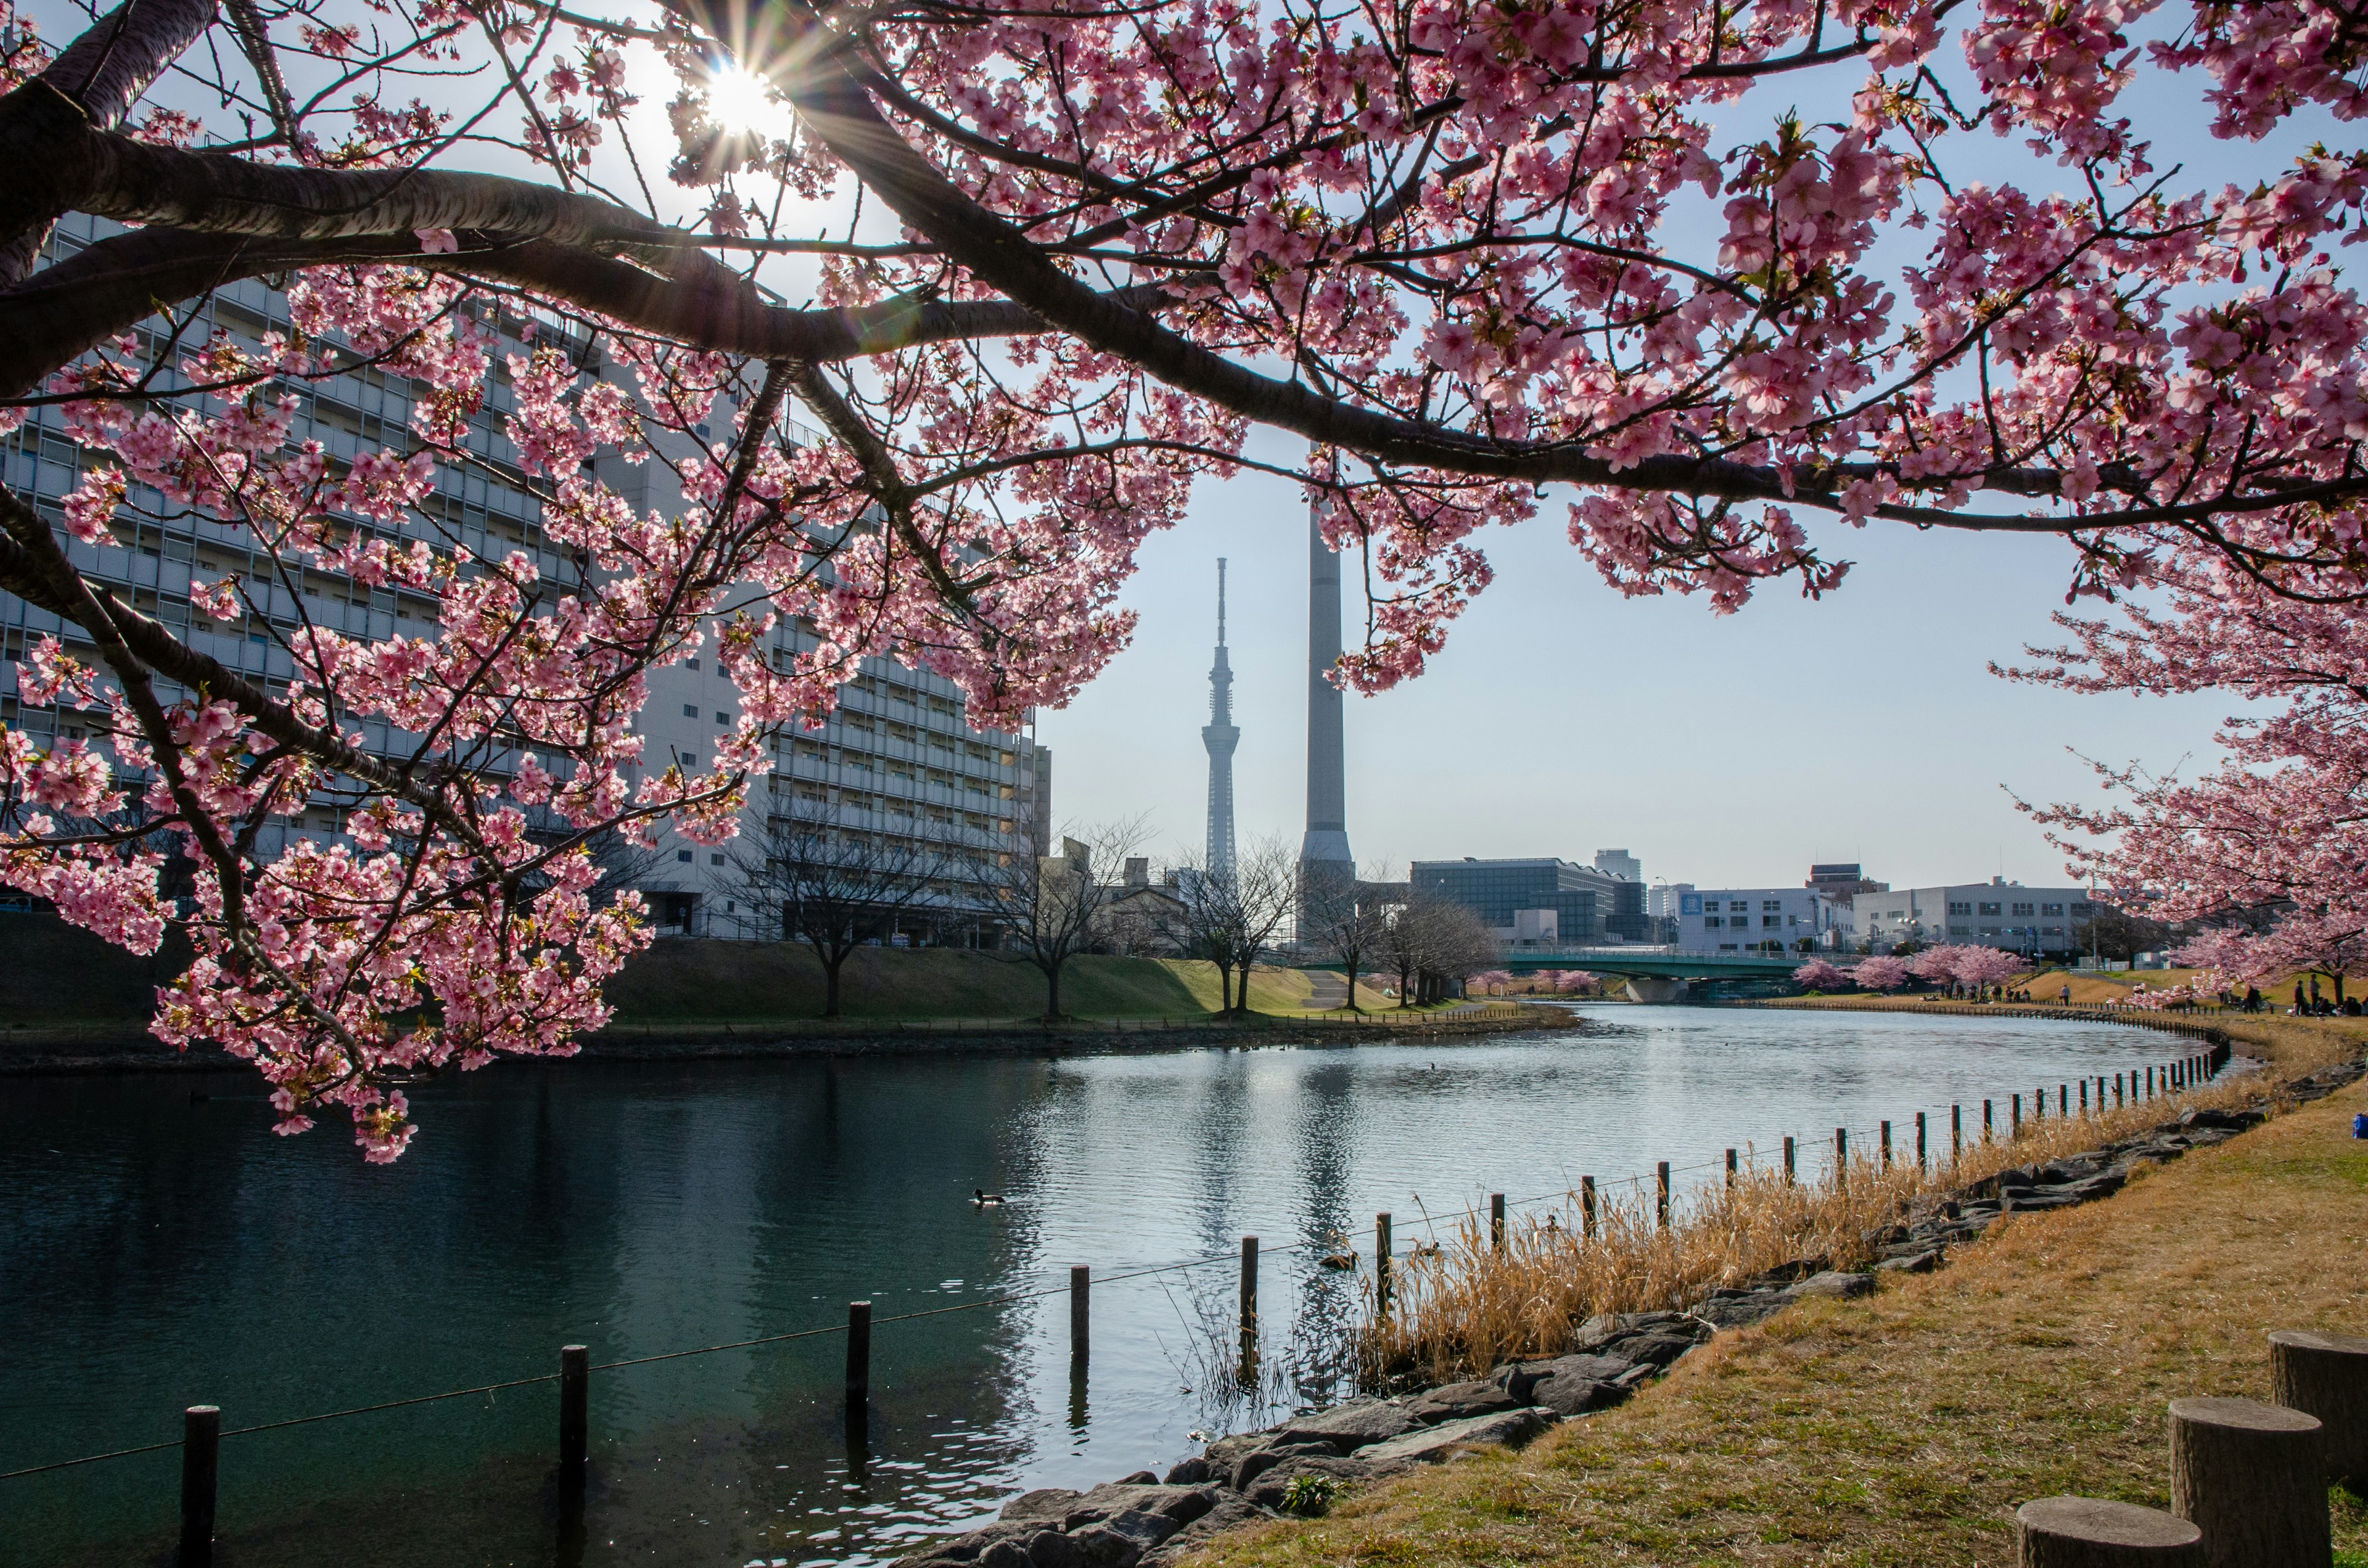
[(1996, 913), (1545, 902), (1739, 919), (1661, 909), (1842, 881), (1619, 863)]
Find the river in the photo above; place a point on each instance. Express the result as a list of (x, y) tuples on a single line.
[(160, 1249)]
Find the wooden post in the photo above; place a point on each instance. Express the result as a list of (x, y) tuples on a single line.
[(1382, 1257), (2149, 1083), (858, 1354), (1587, 1206), (1661, 1193), (1496, 1221), (2089, 1532), (1885, 1140), (1956, 1134), (1249, 1289), (1730, 1170), (2064, 1100), (1921, 1161), (2084, 1097), (1081, 1323), (2014, 1116), (1989, 1123), (201, 1475), (1841, 1156), (1788, 1159), (2326, 1375), (2249, 1476)]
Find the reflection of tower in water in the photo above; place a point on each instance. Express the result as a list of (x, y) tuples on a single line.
[(1326, 1308)]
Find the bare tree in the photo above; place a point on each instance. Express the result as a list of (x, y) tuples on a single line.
[(1233, 917), (836, 889), (1050, 898), (1431, 942), (1343, 921)]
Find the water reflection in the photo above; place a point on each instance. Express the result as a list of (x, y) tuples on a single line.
[(159, 1251)]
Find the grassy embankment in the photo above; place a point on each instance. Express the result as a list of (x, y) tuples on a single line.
[(696, 982), (53, 976), (1904, 1429)]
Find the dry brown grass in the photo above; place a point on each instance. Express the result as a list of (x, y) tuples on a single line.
[(1904, 1429), (1472, 1305)]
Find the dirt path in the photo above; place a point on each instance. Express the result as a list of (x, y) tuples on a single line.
[(1905, 1429)]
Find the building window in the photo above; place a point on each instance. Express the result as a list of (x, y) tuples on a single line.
[(1771, 903), (1990, 909), (1960, 930), (2025, 909), (1772, 920), (2084, 909), (690, 709), (1740, 906), (1726, 947), (715, 859), (683, 856), (1960, 908), (1711, 921), (722, 716), (2051, 909)]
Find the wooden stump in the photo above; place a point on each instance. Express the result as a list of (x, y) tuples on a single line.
[(2326, 1375), (2088, 1532), (2248, 1475)]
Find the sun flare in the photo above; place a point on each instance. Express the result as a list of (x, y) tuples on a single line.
[(742, 101)]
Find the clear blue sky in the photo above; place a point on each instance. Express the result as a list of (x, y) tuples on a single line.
[(1563, 718)]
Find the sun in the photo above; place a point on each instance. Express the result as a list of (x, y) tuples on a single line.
[(741, 101)]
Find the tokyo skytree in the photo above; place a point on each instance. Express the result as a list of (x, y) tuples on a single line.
[(1220, 735)]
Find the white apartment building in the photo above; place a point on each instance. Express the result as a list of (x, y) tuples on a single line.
[(1996, 913), (1726, 920), (897, 758)]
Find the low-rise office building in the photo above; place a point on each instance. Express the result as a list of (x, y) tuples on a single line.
[(1996, 913), (1545, 902), (1726, 920)]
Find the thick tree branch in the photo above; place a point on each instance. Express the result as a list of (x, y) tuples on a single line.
[(62, 311), (97, 80)]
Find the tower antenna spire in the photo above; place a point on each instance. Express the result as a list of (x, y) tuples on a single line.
[(1221, 736)]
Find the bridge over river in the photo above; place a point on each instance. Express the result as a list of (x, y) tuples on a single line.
[(1653, 973)]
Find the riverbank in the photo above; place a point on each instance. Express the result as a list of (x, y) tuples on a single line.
[(1906, 1428), (115, 1047)]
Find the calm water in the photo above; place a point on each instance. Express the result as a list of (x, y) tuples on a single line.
[(157, 1251)]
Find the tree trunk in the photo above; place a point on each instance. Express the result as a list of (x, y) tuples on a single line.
[(1242, 990), (1226, 989), (2326, 1375), (2088, 1532), (830, 968), (1351, 967), (2249, 1476), (1052, 990)]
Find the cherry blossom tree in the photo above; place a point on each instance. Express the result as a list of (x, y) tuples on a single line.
[(1936, 966), (1879, 974), (1572, 981), (2269, 849), (1818, 975), (1980, 967), (1033, 271)]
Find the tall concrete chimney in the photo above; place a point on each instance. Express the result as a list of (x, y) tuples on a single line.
[(1327, 843)]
